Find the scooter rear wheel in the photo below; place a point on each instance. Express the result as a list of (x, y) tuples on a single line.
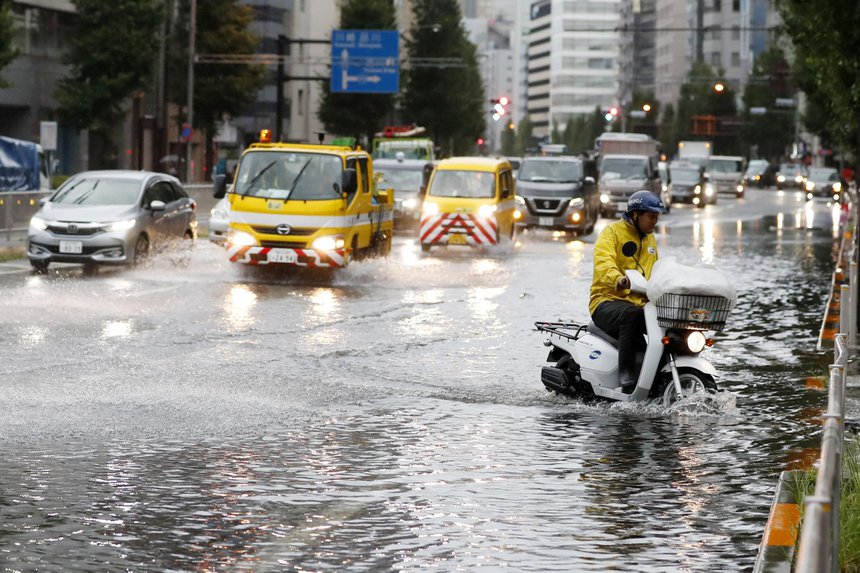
[(692, 381)]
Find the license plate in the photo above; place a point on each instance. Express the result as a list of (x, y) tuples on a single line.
[(71, 247), (282, 256), (545, 221), (457, 240)]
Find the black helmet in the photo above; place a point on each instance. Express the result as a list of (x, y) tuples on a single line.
[(645, 200)]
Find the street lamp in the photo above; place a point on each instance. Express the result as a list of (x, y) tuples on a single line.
[(719, 87)]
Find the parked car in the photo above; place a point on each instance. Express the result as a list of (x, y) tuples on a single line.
[(557, 192), (823, 182), (689, 184), (111, 217), (790, 175), (408, 178), (219, 221), (758, 174)]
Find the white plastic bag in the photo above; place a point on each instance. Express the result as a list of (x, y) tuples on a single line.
[(670, 276)]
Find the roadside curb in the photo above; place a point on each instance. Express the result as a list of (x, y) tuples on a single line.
[(830, 323), (779, 542)]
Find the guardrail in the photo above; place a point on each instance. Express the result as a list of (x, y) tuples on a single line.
[(17, 207), (819, 537)]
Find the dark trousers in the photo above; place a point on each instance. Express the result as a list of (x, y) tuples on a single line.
[(626, 322)]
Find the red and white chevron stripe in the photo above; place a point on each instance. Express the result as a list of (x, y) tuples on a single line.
[(304, 257), (479, 231)]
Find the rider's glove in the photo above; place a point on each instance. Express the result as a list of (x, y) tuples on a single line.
[(623, 283)]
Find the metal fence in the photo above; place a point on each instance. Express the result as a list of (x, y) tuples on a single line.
[(819, 537), (17, 207)]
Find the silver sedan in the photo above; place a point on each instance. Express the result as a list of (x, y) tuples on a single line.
[(111, 217)]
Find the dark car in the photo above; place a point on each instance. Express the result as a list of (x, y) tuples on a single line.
[(790, 176), (557, 192), (689, 184), (408, 178), (758, 174), (823, 182), (111, 217)]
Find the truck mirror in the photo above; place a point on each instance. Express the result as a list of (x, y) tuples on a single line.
[(350, 181), (219, 188)]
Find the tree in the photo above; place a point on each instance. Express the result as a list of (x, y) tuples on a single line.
[(509, 140), (768, 135), (667, 132), (826, 45), (106, 68), (220, 90), (359, 115), (7, 33), (525, 138), (700, 98), (449, 100)]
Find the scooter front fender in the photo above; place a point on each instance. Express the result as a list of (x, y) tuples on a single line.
[(694, 362)]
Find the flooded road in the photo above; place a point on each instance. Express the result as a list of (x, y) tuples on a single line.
[(393, 418)]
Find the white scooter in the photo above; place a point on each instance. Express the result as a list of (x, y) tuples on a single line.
[(586, 357)]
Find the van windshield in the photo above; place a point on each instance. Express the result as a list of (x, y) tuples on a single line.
[(290, 175), (538, 171), (400, 179), (624, 168), (725, 165), (684, 175), (472, 184)]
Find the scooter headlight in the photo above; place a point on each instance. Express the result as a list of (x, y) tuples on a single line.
[(696, 341)]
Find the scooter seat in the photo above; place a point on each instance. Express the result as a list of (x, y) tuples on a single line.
[(600, 333)]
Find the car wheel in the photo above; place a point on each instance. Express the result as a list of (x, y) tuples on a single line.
[(39, 267), (90, 269), (141, 250)]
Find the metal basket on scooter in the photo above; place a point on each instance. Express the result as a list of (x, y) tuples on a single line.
[(692, 311)]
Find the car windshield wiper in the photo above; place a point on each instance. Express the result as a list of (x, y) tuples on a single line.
[(296, 180), (67, 191), (86, 195), (256, 177)]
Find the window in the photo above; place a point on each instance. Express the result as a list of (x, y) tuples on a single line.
[(301, 105), (736, 59), (363, 174)]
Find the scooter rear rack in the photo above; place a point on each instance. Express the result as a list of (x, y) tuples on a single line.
[(567, 330)]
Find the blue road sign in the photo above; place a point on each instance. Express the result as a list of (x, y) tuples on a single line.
[(365, 61)]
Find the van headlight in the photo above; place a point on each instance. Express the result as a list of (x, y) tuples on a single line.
[(696, 342), (604, 198), (430, 209), (520, 201), (486, 211), (328, 243), (38, 223), (577, 202), (241, 239), (120, 226)]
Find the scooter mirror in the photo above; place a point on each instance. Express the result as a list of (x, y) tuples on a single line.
[(628, 249)]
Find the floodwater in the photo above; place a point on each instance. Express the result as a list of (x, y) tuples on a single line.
[(392, 418)]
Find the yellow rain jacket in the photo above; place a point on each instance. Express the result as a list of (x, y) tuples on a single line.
[(610, 262)]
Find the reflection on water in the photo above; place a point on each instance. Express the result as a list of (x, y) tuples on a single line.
[(117, 328), (238, 306)]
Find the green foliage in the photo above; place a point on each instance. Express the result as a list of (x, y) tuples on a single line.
[(112, 52), (359, 115), (768, 136), (449, 101), (826, 44), (525, 136), (7, 33), (219, 89), (667, 131), (509, 142), (698, 97)]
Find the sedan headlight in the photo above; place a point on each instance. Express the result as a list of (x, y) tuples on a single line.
[(798, 179), (430, 209), (38, 223), (780, 178), (696, 341), (486, 211), (837, 187), (577, 202), (218, 214), (241, 239), (120, 226), (810, 185), (328, 243)]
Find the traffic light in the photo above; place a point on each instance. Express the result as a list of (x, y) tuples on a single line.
[(480, 141), (501, 107)]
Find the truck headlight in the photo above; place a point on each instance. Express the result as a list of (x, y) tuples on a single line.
[(38, 223), (410, 203), (696, 342), (430, 209), (328, 243), (810, 185), (120, 226), (577, 202), (709, 189), (241, 239), (604, 198), (486, 211), (798, 179), (740, 188), (780, 178), (697, 190)]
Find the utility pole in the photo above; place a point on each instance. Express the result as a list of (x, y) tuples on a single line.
[(190, 117)]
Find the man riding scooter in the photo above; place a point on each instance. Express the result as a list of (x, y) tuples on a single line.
[(627, 244)]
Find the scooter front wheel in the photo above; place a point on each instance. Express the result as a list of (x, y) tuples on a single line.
[(692, 381)]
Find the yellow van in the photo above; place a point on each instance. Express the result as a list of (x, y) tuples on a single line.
[(469, 202)]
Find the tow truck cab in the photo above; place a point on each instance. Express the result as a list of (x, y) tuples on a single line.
[(306, 206)]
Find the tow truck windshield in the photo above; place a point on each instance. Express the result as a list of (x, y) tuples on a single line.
[(290, 175)]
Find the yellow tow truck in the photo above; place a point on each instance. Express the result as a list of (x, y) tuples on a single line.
[(305, 205)]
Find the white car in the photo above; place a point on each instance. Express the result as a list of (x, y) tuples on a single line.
[(219, 221)]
